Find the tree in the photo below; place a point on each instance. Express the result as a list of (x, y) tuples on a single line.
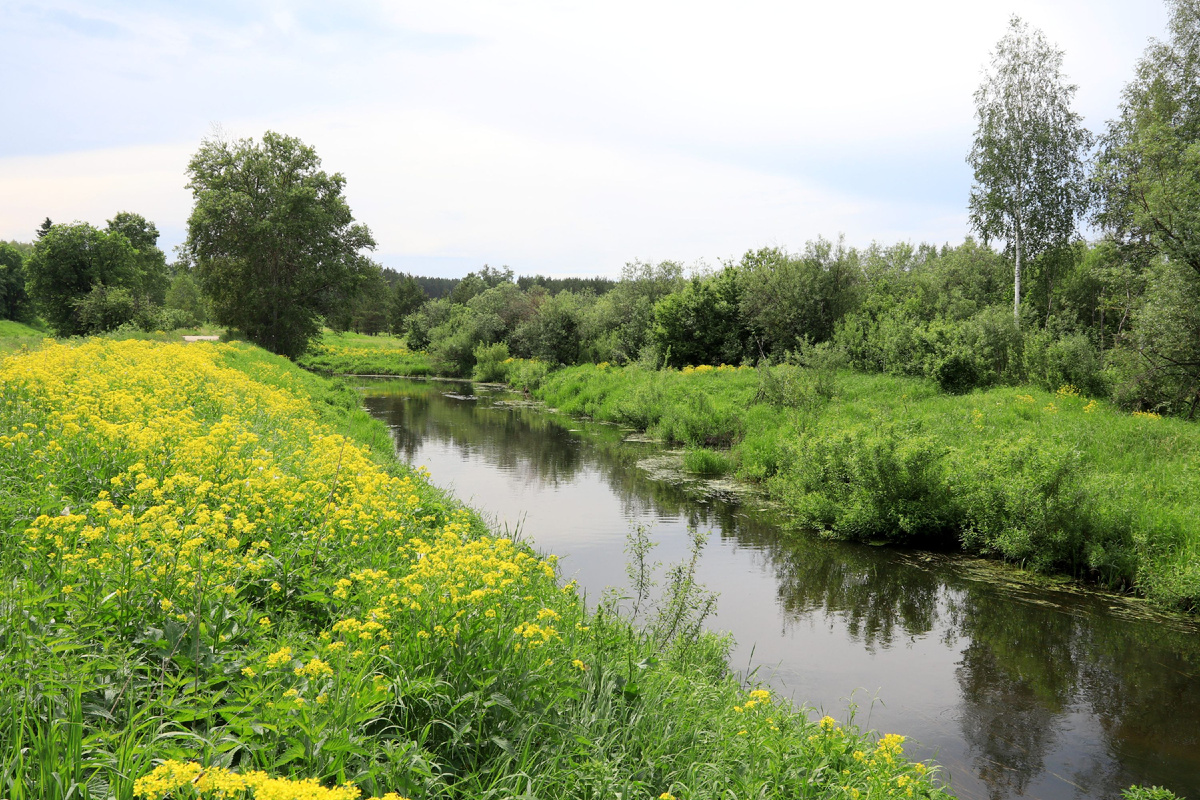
[(407, 297), (273, 239), (1030, 181), (1148, 179), (1148, 171), (14, 302), (69, 263), (153, 278)]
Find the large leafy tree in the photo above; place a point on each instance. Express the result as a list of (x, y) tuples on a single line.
[(153, 277), (1148, 171), (273, 238), (72, 262), (1028, 154), (1148, 177)]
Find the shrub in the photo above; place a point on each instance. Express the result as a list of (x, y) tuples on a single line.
[(957, 373), (1024, 501), (491, 362), (865, 485), (1052, 360), (527, 374)]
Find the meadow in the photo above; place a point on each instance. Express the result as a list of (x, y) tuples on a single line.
[(218, 582), (353, 353), (1050, 480)]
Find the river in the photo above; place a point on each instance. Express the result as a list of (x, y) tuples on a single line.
[(1018, 687)]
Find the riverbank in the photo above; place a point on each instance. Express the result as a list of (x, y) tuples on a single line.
[(352, 353), (1052, 481), (212, 558)]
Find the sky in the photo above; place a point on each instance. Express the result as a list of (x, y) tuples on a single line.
[(561, 138)]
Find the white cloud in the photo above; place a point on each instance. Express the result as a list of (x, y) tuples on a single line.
[(548, 135)]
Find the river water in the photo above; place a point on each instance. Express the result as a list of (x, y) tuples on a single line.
[(1017, 687)]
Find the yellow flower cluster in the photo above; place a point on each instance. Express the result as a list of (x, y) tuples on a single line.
[(1147, 415), (217, 783), (212, 471), (703, 368), (1067, 390)]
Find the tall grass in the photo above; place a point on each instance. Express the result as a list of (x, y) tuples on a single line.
[(355, 354), (1050, 480), (208, 589)]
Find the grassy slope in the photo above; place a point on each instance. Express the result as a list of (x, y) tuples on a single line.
[(14, 336), (1044, 479), (197, 568), (355, 354)]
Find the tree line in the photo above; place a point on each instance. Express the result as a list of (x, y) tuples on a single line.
[(274, 251)]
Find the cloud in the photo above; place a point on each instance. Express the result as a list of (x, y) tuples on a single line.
[(546, 135), (93, 186)]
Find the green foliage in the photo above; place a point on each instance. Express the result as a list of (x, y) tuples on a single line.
[(153, 278), (184, 296), (1148, 170), (1024, 501), (407, 297), (786, 299), (703, 461), (273, 239), (490, 363), (1028, 154), (701, 323), (1054, 481), (14, 300), (1066, 359), (552, 332), (1149, 793), (356, 354), (69, 262), (885, 484), (526, 374)]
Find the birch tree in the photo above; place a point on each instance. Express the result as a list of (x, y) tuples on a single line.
[(1028, 154)]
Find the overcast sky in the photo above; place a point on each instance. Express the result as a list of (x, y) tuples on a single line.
[(556, 137)]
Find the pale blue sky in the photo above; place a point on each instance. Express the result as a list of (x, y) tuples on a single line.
[(561, 138)]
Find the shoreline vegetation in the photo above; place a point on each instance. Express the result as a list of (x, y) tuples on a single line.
[(219, 582), (1053, 481)]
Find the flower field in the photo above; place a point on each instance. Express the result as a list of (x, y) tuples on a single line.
[(212, 586)]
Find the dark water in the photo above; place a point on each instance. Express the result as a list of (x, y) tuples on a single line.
[(1018, 689)]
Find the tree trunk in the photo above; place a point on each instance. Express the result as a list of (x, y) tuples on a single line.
[(1017, 281)]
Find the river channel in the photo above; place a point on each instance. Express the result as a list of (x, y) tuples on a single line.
[(1017, 687)]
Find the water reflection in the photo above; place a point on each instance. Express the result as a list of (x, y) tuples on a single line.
[(1021, 690)]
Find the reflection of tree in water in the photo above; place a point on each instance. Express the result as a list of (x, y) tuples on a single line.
[(1016, 679), (517, 440), (879, 596), (1031, 656), (1032, 661)]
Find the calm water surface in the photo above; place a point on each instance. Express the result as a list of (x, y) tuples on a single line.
[(1017, 689)]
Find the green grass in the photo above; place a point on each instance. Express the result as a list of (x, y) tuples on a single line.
[(1052, 481), (196, 566), (15, 336), (356, 354)]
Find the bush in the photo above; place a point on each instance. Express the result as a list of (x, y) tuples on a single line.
[(957, 373), (1052, 360), (1024, 501), (491, 363), (885, 484), (527, 374)]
